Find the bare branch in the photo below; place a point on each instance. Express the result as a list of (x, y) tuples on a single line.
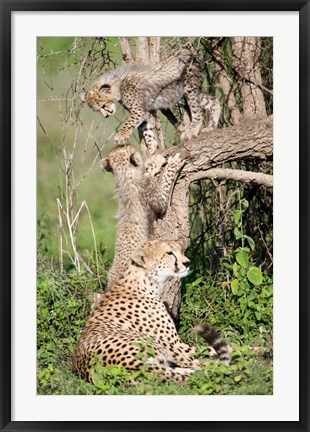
[(60, 229), (234, 174), (95, 243), (250, 139)]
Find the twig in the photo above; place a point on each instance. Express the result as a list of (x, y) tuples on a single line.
[(60, 236), (95, 243)]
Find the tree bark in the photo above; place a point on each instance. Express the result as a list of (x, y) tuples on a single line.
[(245, 60), (227, 88), (249, 139), (142, 49), (154, 48), (126, 49)]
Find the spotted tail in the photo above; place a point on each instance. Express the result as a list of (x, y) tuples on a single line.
[(214, 340)]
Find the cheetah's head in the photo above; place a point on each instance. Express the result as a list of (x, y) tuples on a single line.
[(122, 158), (100, 99), (162, 260)]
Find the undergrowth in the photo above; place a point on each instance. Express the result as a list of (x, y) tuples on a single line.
[(237, 301)]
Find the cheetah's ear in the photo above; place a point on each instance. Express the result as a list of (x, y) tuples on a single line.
[(104, 89), (83, 97), (136, 159), (138, 259), (105, 165)]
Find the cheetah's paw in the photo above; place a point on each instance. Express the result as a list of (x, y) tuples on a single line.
[(154, 164), (176, 160), (121, 138)]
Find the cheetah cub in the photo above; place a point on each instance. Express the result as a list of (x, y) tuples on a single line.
[(131, 311), (142, 198), (143, 88)]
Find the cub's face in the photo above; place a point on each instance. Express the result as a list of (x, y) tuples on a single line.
[(163, 259), (122, 158), (100, 99)]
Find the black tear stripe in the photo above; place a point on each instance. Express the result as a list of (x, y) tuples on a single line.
[(176, 261), (175, 264)]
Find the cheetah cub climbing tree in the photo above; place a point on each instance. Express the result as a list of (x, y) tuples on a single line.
[(143, 88), (142, 199)]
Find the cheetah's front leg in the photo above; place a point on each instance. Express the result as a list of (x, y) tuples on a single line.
[(136, 118), (212, 106), (193, 81), (191, 129), (149, 136), (161, 197)]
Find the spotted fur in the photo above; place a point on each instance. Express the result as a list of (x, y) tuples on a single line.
[(131, 311), (143, 88), (142, 199)]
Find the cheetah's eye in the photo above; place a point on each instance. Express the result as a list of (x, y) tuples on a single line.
[(104, 88), (170, 253)]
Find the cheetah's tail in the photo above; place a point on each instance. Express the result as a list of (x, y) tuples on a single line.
[(214, 340)]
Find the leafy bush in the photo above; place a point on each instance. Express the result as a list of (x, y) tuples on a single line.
[(64, 303)]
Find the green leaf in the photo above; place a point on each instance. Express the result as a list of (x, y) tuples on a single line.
[(242, 259), (234, 286), (237, 233), (150, 351), (238, 378), (245, 286), (258, 315), (245, 203), (234, 355), (250, 241), (237, 216), (196, 282), (235, 346), (255, 275), (241, 293), (265, 293), (235, 269)]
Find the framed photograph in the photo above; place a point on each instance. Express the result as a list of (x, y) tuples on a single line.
[(154, 202)]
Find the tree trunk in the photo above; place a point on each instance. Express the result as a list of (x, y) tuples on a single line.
[(249, 139), (246, 54)]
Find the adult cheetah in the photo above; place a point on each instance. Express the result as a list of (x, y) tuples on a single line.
[(131, 311)]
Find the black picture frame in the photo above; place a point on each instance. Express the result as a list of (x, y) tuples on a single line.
[(7, 7)]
